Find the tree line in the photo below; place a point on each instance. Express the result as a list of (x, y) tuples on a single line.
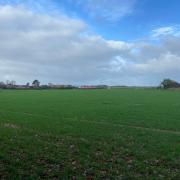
[(37, 85), (34, 85), (165, 84)]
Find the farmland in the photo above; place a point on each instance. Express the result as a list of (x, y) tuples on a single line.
[(85, 134)]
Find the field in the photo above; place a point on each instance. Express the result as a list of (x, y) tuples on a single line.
[(89, 134)]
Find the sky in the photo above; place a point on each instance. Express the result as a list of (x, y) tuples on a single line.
[(117, 42)]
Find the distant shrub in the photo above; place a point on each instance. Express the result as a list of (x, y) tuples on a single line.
[(168, 83)]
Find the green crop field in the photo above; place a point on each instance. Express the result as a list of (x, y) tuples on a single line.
[(89, 134)]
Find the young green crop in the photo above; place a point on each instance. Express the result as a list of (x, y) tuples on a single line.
[(80, 134)]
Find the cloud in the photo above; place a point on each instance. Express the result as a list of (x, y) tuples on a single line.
[(40, 6), (165, 63), (59, 49), (164, 31), (101, 10), (52, 49), (105, 10)]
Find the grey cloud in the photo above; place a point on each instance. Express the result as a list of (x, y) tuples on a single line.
[(59, 49), (54, 48)]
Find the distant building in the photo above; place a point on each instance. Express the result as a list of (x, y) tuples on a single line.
[(94, 87)]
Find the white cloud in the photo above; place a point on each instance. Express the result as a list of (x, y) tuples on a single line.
[(165, 63), (101, 10), (59, 49), (164, 31), (105, 10), (51, 48), (40, 6)]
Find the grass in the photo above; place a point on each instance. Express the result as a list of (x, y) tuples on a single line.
[(89, 134)]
